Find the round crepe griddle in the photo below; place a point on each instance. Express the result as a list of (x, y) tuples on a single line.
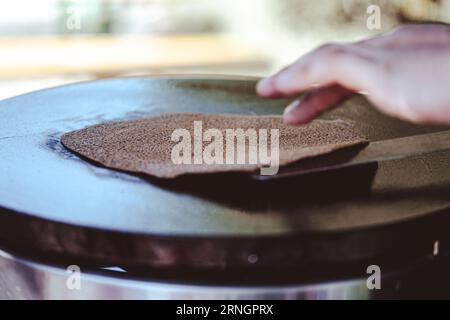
[(56, 204)]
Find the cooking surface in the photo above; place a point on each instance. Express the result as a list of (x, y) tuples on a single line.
[(40, 178)]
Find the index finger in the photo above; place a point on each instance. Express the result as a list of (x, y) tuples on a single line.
[(350, 66)]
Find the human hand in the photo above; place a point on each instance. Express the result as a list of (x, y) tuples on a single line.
[(405, 74)]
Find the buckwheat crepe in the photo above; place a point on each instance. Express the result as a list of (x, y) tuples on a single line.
[(147, 145)]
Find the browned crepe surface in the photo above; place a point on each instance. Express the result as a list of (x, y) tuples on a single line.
[(145, 145)]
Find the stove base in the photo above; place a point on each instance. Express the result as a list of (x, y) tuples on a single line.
[(24, 279)]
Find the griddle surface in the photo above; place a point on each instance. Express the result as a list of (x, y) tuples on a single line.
[(54, 200)]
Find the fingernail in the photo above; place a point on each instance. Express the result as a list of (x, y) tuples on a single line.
[(294, 104), (284, 79), (364, 93)]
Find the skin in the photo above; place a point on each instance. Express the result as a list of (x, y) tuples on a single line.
[(404, 73)]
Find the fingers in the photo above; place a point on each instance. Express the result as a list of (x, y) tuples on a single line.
[(349, 66), (312, 104), (266, 87)]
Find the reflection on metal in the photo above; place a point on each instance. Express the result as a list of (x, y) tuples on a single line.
[(23, 279)]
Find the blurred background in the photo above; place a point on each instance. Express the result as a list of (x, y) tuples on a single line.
[(45, 43)]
